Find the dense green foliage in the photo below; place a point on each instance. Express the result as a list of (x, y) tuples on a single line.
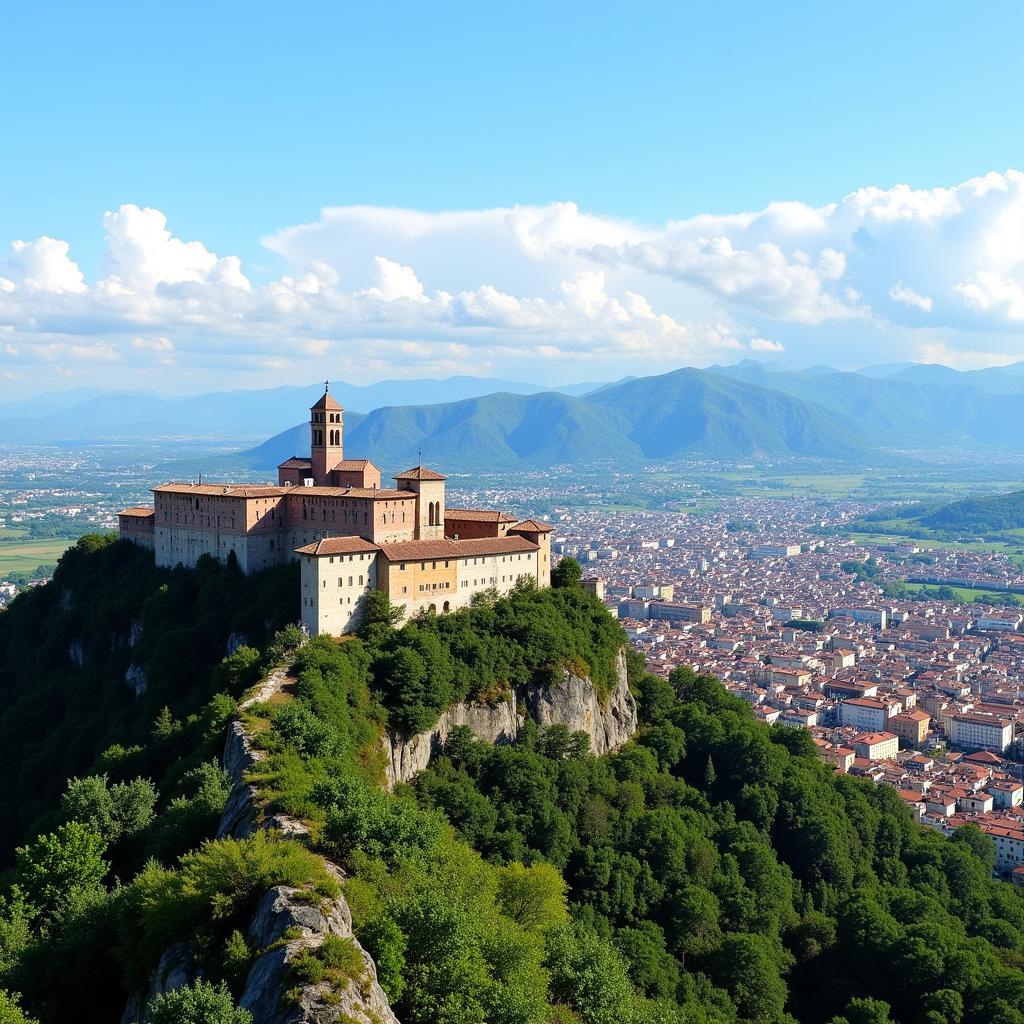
[(712, 871), (198, 1003), (717, 852), (59, 715), (979, 516)]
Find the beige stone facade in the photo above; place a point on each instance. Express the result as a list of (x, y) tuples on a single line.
[(349, 534)]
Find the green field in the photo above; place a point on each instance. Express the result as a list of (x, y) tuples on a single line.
[(26, 556), (964, 595), (12, 532), (926, 544)]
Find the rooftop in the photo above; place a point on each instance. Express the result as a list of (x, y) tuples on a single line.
[(419, 473), (338, 546), (415, 550)]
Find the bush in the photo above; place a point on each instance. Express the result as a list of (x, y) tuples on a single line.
[(215, 889), (198, 1003)]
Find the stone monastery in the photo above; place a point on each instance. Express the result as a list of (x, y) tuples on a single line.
[(349, 534)]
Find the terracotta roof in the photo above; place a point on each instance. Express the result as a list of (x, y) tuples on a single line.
[(347, 464), (531, 525), (871, 738), (377, 493), (984, 757), (296, 462), (415, 550), (139, 511), (338, 546), (478, 515), (326, 401), (226, 490), (419, 473)]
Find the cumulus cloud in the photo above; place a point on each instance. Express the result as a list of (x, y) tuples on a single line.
[(463, 291), (41, 266)]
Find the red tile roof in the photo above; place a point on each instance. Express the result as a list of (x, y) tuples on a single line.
[(139, 512), (416, 550), (478, 515), (296, 462), (338, 546), (225, 490), (419, 473), (531, 526), (326, 401)]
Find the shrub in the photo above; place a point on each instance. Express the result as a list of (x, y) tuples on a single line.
[(198, 1003)]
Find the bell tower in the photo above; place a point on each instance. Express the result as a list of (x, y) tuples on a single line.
[(325, 440)]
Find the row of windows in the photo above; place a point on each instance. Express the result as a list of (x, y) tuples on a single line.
[(341, 558), (433, 586), (340, 584), (465, 561)]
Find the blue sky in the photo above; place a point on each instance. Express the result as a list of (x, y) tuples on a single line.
[(239, 123)]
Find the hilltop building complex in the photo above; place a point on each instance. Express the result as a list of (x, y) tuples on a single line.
[(349, 534)]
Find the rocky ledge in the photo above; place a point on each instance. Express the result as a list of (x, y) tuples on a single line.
[(286, 923), (571, 701)]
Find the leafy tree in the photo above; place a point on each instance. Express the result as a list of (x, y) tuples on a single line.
[(533, 897), (60, 868), (567, 573), (118, 812), (11, 1012), (198, 1003)]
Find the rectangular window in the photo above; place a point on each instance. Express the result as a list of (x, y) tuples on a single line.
[(350, 581)]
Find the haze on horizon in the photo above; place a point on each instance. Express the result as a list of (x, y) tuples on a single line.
[(208, 199)]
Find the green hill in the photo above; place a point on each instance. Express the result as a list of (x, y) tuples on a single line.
[(711, 871), (923, 406), (688, 412), (692, 411), (979, 516)]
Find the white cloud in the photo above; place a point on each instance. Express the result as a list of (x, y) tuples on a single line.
[(142, 253), (392, 282), (962, 359), (766, 345), (161, 344), (41, 266), (901, 292), (469, 291)]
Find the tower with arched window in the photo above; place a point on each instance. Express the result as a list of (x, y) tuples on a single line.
[(429, 489), (325, 437)]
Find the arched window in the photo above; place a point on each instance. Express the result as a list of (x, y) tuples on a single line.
[(430, 514)]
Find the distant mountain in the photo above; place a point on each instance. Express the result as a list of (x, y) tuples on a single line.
[(690, 411), (908, 408), (87, 414), (677, 414)]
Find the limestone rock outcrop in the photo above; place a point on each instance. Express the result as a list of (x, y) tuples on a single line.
[(571, 701), (285, 922)]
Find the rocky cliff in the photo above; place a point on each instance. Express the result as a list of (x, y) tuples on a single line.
[(285, 923), (571, 701)]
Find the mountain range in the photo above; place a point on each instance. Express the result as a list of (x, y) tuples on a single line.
[(88, 414), (748, 410)]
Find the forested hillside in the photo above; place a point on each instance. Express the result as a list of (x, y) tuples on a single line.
[(712, 871), (65, 650)]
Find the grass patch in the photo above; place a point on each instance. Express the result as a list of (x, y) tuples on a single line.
[(25, 556), (964, 595), (335, 961)]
